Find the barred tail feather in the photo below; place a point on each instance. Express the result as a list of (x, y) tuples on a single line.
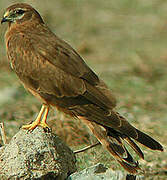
[(112, 130), (115, 146), (135, 147), (148, 141)]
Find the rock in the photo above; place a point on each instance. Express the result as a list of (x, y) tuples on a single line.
[(36, 155), (99, 172)]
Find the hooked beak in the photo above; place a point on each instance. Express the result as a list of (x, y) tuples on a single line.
[(4, 19)]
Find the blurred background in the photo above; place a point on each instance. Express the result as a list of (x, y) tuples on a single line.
[(125, 43)]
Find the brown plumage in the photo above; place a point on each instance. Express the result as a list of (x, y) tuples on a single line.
[(56, 74)]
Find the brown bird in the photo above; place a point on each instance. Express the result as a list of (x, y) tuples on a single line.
[(56, 74)]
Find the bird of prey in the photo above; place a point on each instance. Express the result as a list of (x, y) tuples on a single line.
[(56, 74)]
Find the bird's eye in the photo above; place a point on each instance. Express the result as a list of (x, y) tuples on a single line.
[(20, 11)]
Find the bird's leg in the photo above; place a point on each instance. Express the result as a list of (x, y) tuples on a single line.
[(43, 121), (34, 124)]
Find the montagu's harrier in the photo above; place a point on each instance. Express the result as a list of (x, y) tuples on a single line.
[(57, 75)]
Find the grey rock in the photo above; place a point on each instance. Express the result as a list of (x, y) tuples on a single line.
[(36, 155), (99, 172)]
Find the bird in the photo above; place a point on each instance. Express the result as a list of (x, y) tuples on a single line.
[(57, 75)]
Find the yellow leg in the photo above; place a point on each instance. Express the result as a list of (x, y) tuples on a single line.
[(43, 121), (38, 122)]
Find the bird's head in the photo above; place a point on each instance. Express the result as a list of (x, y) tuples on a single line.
[(19, 13)]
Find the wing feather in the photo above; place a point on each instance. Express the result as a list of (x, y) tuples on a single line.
[(53, 70), (51, 66)]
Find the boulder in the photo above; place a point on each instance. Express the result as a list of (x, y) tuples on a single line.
[(100, 172), (36, 155)]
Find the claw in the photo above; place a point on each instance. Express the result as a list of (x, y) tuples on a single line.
[(48, 130), (38, 122), (45, 126), (31, 126)]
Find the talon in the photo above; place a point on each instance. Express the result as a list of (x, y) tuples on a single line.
[(30, 127), (38, 122), (44, 125), (26, 126), (48, 130)]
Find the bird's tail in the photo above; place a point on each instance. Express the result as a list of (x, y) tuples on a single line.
[(116, 147), (115, 141)]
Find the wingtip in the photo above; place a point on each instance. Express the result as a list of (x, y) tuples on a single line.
[(161, 149), (148, 141), (158, 147), (130, 168)]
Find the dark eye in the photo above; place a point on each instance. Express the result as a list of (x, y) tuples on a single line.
[(20, 11)]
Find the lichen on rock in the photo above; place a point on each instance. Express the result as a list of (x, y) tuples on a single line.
[(36, 155)]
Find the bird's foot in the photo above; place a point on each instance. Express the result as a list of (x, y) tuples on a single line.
[(39, 122), (31, 126), (45, 126)]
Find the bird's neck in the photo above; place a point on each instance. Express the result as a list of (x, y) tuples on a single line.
[(24, 28)]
